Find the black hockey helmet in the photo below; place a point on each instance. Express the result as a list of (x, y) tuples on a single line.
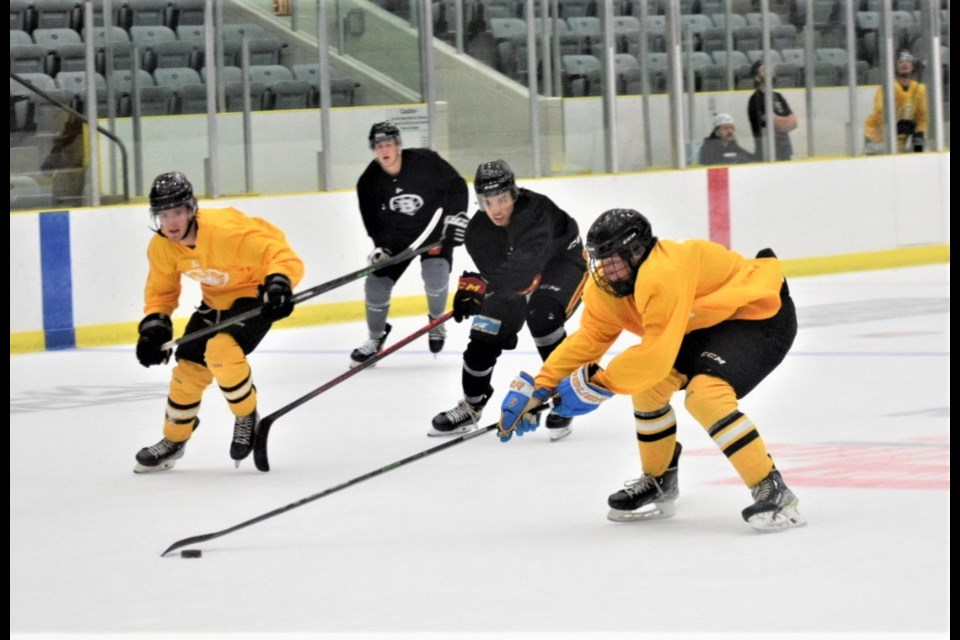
[(382, 131), (171, 190), (623, 233), (494, 177)]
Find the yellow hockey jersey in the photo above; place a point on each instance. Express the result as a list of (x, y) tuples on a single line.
[(234, 254), (910, 104), (681, 287)]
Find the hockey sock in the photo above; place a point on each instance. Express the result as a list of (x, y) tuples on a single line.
[(187, 383), (656, 424), (656, 438), (377, 291), (436, 282), (232, 371), (479, 360), (713, 403)]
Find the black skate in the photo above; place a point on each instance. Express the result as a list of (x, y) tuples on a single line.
[(558, 427), (647, 497), (437, 337), (244, 428), (774, 507), (462, 418), (161, 456), (368, 349)]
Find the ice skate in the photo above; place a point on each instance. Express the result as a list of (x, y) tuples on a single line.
[(774, 507), (558, 427), (437, 337), (647, 497), (244, 428), (368, 349), (159, 457), (462, 418)]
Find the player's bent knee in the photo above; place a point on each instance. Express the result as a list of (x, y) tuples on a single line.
[(545, 316), (709, 399), (489, 330)]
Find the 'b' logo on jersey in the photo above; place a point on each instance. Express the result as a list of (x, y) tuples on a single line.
[(407, 204)]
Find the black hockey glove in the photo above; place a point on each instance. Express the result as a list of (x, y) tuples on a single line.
[(469, 297), (918, 142), (276, 297), (155, 330), (906, 127), (455, 228)]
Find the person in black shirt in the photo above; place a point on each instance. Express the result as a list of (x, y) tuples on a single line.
[(532, 269), (721, 147), (399, 192), (784, 120)]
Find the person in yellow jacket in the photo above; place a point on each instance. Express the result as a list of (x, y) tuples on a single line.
[(241, 263), (712, 322), (910, 103)]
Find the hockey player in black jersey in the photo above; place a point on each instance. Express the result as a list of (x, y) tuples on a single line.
[(399, 192), (532, 269)]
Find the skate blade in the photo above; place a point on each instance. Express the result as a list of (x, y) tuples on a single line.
[(774, 521), (434, 433), (163, 466), (656, 511), (354, 364), (559, 434)]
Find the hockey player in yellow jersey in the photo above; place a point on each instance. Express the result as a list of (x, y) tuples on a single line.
[(712, 322), (910, 106), (241, 263)]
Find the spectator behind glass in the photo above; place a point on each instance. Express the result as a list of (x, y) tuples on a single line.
[(784, 120), (721, 146), (910, 102)]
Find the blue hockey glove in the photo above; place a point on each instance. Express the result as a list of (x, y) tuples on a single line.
[(579, 396), (513, 418)]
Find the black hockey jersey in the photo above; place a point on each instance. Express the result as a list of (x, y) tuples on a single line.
[(396, 210), (510, 258)]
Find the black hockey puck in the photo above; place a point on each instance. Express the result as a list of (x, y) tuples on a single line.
[(191, 553)]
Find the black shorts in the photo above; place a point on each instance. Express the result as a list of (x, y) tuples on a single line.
[(742, 352), (502, 316), (394, 272), (248, 333)]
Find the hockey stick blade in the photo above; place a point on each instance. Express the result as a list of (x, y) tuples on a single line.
[(262, 432), (343, 485)]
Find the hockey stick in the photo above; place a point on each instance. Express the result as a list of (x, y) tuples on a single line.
[(299, 503), (410, 252), (263, 428)]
